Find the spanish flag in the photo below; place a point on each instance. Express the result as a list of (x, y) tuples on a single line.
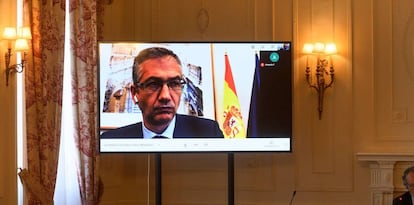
[(232, 123)]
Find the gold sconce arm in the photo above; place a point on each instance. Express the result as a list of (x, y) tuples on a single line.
[(18, 68), (324, 71)]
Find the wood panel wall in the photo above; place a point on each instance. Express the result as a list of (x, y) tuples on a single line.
[(8, 160), (368, 110)]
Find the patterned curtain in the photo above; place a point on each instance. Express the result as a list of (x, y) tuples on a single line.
[(44, 87), (83, 38), (43, 84)]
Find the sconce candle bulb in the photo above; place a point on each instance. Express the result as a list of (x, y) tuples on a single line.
[(307, 48), (330, 49), (21, 45), (321, 71), (9, 33), (24, 33), (319, 47)]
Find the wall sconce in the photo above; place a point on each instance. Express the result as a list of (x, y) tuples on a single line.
[(19, 36), (323, 77)]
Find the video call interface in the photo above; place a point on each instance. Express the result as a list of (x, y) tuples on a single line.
[(261, 112)]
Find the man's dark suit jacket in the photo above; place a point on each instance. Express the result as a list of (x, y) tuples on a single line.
[(404, 199), (185, 127)]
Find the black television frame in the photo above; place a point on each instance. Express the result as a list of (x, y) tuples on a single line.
[(198, 144)]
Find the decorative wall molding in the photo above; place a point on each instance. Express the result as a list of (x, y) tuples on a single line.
[(393, 27), (385, 157), (203, 20), (321, 144), (2, 180)]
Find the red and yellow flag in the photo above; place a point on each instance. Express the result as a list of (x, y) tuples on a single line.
[(232, 123)]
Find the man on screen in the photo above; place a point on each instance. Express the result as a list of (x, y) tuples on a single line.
[(157, 87)]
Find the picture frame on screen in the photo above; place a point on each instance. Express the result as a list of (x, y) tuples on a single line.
[(245, 88)]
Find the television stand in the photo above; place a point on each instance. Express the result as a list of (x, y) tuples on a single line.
[(230, 179)]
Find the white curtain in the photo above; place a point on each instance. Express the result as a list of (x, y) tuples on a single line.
[(67, 187)]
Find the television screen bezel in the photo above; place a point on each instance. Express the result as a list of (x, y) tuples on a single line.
[(290, 138)]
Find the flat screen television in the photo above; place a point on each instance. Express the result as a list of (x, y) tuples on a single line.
[(258, 119)]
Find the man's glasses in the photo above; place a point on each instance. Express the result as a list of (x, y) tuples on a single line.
[(155, 85)]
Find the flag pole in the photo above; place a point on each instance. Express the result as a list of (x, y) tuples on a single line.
[(214, 81)]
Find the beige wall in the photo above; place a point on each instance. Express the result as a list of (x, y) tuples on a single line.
[(8, 170), (322, 165), (369, 109)]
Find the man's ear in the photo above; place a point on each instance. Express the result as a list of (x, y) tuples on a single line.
[(134, 92)]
